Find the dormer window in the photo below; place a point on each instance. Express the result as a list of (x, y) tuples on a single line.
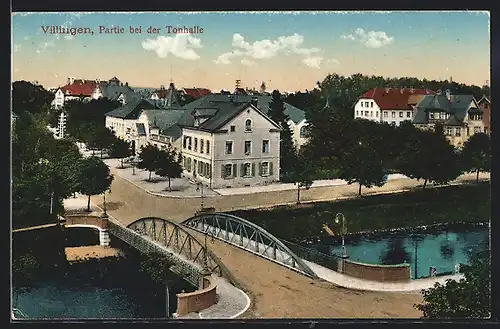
[(248, 125)]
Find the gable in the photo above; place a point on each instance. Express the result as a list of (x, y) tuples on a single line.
[(258, 118)]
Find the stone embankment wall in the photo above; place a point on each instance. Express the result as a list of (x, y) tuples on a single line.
[(197, 300), (381, 273)]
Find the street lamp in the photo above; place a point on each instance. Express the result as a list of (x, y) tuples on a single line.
[(133, 165), (340, 218), (199, 187), (416, 239)]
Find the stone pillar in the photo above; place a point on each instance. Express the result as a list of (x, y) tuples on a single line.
[(104, 238), (205, 273), (341, 263)]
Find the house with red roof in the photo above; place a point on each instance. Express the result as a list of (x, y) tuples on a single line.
[(391, 105), (79, 89), (196, 93)]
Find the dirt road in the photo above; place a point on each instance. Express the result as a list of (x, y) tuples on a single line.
[(276, 292)]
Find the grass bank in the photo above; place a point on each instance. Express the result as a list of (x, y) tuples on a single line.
[(450, 204)]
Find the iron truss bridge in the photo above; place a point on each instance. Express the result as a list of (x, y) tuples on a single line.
[(248, 236), (176, 239)]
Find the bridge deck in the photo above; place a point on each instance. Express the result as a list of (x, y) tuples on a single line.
[(275, 290)]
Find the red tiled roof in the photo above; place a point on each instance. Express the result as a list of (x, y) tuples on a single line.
[(80, 88), (197, 92), (394, 98)]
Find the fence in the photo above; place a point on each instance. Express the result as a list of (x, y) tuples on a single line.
[(329, 261)]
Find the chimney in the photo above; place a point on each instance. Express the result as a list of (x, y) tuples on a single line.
[(126, 84), (448, 95)]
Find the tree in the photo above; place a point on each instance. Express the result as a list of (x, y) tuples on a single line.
[(476, 154), (148, 159), (31, 98), (303, 173), (361, 164), (120, 149), (169, 164), (287, 154), (469, 298), (102, 139), (429, 156), (94, 177), (395, 253)]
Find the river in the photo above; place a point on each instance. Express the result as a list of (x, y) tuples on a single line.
[(97, 289)]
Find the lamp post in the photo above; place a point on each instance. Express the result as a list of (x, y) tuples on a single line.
[(416, 240), (133, 165), (45, 162), (340, 218)]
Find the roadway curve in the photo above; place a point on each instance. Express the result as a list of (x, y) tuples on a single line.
[(276, 292)]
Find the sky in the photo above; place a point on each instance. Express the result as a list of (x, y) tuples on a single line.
[(289, 51)]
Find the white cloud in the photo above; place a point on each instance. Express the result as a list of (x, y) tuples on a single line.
[(265, 49), (182, 46), (313, 62), (247, 62), (68, 37), (17, 48), (371, 39)]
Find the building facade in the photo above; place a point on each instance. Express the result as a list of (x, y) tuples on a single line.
[(485, 105), (391, 105), (460, 116), (231, 144)]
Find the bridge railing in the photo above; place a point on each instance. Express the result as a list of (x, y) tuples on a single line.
[(329, 261)]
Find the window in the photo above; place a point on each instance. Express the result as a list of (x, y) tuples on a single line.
[(366, 104), (366, 113), (188, 167), (229, 147), (371, 104), (265, 168), (400, 114), (247, 170), (467, 129), (208, 147), (201, 145), (189, 143), (485, 130), (248, 125), (232, 128), (196, 144), (376, 114), (408, 114), (457, 132), (357, 113), (265, 146), (393, 114), (371, 113), (303, 132), (362, 103), (228, 171), (386, 114), (449, 131), (248, 147), (477, 130), (431, 115)]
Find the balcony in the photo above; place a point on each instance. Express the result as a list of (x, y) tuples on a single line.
[(159, 138)]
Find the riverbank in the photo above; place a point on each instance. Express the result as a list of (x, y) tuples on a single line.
[(469, 203), (75, 254)]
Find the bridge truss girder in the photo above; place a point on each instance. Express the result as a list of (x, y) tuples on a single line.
[(248, 236)]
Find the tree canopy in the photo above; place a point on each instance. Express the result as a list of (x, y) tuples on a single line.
[(287, 147), (475, 156), (469, 298), (94, 177), (31, 98), (168, 164), (120, 149), (148, 159)]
